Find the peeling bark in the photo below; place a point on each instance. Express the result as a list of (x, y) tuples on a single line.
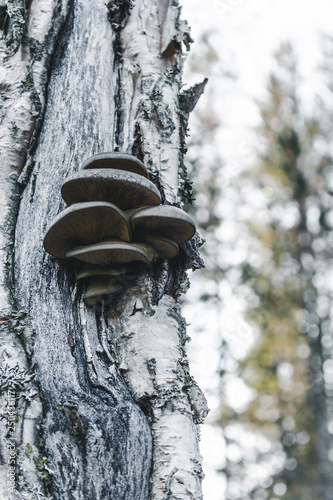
[(104, 395), (22, 87), (148, 331), (149, 86), (149, 348)]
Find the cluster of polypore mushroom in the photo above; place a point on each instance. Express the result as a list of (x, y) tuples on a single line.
[(114, 217)]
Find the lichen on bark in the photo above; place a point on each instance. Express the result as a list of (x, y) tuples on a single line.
[(148, 331), (95, 387)]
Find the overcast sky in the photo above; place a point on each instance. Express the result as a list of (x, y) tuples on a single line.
[(247, 32)]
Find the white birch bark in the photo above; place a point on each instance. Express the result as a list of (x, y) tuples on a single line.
[(150, 337), (111, 83), (149, 345), (22, 88)]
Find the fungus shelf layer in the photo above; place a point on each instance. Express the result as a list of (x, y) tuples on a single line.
[(89, 270), (165, 220), (99, 286), (112, 252), (119, 161), (84, 224), (115, 223), (125, 189), (165, 247)]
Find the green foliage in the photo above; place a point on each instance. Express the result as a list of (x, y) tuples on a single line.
[(41, 464), (28, 450)]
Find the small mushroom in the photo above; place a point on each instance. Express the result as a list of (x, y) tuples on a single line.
[(125, 189), (113, 252), (165, 220), (100, 286), (165, 247), (84, 224), (119, 161)]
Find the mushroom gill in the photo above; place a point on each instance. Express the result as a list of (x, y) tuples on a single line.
[(84, 224), (166, 220), (164, 247), (113, 252), (99, 286)]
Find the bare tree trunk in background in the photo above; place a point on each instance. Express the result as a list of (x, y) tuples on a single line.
[(96, 402)]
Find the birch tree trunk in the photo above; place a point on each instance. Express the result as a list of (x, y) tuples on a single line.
[(96, 402)]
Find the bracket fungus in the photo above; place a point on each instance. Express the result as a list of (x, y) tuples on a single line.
[(165, 247), (125, 189), (113, 252), (114, 223), (84, 224), (105, 280), (119, 161), (166, 220), (103, 285), (89, 270)]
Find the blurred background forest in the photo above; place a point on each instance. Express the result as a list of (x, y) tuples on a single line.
[(260, 156)]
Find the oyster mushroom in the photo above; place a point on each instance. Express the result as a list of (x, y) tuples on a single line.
[(164, 220), (165, 247), (84, 224), (125, 189), (120, 161), (113, 252), (100, 286), (89, 270)]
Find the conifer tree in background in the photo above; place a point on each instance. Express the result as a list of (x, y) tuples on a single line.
[(290, 366), (280, 445)]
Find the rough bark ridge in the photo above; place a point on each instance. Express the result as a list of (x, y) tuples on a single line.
[(148, 331), (95, 440), (79, 433), (25, 50)]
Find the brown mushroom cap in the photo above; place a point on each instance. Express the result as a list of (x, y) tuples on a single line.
[(120, 161), (100, 286), (84, 224), (113, 252), (125, 189), (89, 270), (166, 220), (165, 247)]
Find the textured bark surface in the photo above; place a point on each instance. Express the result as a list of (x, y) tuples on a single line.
[(96, 387)]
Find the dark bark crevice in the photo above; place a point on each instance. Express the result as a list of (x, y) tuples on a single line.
[(51, 50), (97, 440)]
